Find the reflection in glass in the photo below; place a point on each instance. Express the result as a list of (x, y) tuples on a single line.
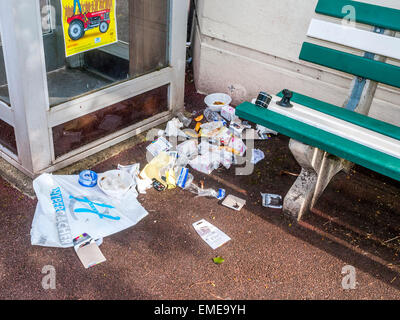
[(7, 136), (4, 95), (93, 126), (142, 28)]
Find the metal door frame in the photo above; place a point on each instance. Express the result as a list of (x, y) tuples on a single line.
[(31, 115)]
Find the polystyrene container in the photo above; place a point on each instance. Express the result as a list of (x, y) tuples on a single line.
[(115, 183), (216, 101)]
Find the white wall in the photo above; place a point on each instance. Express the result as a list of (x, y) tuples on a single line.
[(243, 47)]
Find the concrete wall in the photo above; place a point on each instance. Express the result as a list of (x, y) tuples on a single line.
[(243, 47)]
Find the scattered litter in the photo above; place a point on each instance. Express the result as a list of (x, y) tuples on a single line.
[(88, 178), (143, 184), (197, 127), (250, 134), (218, 260), (184, 177), (256, 156), (157, 168), (236, 146), (210, 129), (115, 183), (173, 128), (206, 163), (199, 118), (213, 236), (234, 202), (184, 120), (158, 185), (272, 200), (216, 101), (191, 133), (264, 132), (158, 146), (187, 149), (88, 250), (132, 169), (288, 173), (211, 116), (246, 124), (228, 113), (263, 100), (237, 127), (66, 210), (220, 194)]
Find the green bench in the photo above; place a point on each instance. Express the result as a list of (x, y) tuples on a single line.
[(326, 138)]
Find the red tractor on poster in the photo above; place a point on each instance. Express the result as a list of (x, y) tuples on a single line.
[(80, 23)]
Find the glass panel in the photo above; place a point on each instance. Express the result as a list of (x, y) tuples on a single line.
[(93, 126), (142, 45), (4, 95), (7, 136)]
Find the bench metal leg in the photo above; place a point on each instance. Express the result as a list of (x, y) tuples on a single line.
[(317, 170), (299, 197), (298, 200), (330, 166)]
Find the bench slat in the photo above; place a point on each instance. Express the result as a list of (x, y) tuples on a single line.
[(338, 127), (339, 146), (374, 15), (355, 38), (350, 63), (358, 119)]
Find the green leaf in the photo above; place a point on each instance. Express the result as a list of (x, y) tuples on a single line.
[(218, 260)]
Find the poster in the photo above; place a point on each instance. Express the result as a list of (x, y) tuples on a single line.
[(88, 24)]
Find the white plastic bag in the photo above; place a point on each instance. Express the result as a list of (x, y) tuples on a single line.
[(206, 163), (66, 210), (214, 152), (256, 156), (187, 149), (173, 128)]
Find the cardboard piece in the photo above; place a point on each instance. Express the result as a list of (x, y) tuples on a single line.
[(88, 251), (213, 236), (233, 202)]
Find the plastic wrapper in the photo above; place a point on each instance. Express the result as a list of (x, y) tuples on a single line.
[(184, 177), (270, 200), (187, 149), (173, 128), (211, 129), (220, 194), (213, 116), (264, 132), (132, 169), (184, 120), (157, 168), (214, 152), (236, 146), (256, 156), (206, 163)]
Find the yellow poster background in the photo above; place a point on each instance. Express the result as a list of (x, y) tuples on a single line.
[(92, 38)]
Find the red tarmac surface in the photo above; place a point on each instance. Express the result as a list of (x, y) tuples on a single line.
[(356, 222)]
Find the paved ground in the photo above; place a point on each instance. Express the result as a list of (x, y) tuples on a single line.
[(356, 223)]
